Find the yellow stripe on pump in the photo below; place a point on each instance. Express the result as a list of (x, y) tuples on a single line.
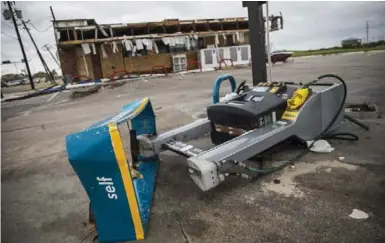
[(290, 115), (141, 106), (274, 90), (127, 180)]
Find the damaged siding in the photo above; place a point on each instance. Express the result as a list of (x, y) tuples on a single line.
[(68, 61), (113, 62), (84, 63)]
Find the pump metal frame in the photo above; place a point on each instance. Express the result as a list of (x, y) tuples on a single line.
[(207, 168)]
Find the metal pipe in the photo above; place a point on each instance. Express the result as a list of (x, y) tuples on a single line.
[(257, 40), (217, 85), (357, 122), (268, 41)]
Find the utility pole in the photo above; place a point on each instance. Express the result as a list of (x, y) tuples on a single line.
[(39, 54), (257, 40), (367, 32), (53, 57), (54, 31), (270, 78), (21, 45)]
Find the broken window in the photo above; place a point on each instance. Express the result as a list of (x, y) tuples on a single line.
[(162, 47)]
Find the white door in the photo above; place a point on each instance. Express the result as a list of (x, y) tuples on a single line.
[(208, 58), (244, 54)]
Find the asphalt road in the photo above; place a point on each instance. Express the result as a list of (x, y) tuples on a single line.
[(43, 200)]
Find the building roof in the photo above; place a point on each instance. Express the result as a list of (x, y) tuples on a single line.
[(165, 22), (77, 31), (352, 39)]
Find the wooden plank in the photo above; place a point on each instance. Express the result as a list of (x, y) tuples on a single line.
[(68, 61), (210, 40), (96, 64), (192, 59), (113, 62), (84, 68), (152, 36), (246, 38), (143, 64)]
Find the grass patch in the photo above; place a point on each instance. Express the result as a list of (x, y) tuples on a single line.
[(27, 87), (335, 51)]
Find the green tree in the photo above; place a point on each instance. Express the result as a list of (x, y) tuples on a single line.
[(39, 75), (10, 77)]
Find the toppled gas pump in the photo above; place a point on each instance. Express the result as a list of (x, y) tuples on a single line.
[(117, 159)]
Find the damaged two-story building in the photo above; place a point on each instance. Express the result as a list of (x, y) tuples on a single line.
[(93, 51)]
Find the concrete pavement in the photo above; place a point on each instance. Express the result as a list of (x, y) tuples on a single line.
[(43, 200)]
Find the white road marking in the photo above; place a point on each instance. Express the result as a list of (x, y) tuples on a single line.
[(53, 96)]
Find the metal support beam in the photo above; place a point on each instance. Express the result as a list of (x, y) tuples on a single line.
[(257, 41)]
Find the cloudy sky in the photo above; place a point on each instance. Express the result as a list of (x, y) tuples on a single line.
[(307, 25)]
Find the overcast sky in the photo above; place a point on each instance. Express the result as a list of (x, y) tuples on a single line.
[(307, 25)]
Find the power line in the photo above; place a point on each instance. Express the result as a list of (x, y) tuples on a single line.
[(9, 35), (13, 37), (48, 48), (7, 24), (26, 14), (13, 30), (33, 26), (6, 56), (38, 52), (40, 30)]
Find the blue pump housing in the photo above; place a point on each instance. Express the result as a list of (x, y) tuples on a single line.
[(120, 203)]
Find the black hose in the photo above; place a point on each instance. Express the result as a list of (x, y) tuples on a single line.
[(357, 122), (342, 136), (321, 135)]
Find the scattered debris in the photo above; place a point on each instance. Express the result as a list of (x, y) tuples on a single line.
[(292, 167), (249, 199), (182, 229), (228, 97), (179, 76), (363, 111), (341, 158), (288, 187), (277, 181), (24, 113), (328, 169), (158, 108), (358, 214), (320, 146)]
